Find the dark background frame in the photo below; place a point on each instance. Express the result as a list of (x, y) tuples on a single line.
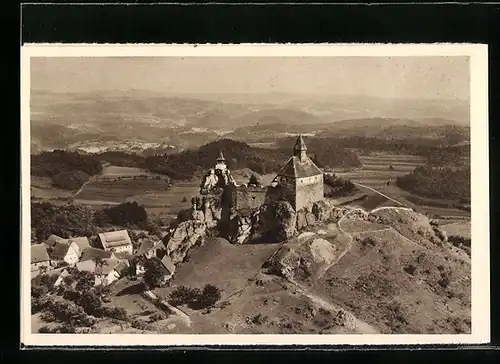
[(269, 23)]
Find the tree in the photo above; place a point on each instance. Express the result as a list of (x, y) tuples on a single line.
[(84, 281), (209, 296), (127, 213), (154, 274), (90, 302)]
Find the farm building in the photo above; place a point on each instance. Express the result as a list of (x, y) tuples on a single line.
[(39, 258), (116, 241), (67, 252)]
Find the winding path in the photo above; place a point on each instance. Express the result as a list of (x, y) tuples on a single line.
[(377, 192), (91, 179), (182, 315)]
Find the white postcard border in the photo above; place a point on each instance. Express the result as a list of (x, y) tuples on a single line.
[(480, 311)]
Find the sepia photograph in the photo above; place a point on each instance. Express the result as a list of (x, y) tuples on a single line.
[(254, 194)]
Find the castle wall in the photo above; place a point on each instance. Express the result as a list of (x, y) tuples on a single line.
[(251, 198), (309, 190)]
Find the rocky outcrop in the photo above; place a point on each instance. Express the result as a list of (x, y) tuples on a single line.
[(186, 235), (319, 212)]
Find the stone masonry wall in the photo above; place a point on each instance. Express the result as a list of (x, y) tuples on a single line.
[(309, 193)]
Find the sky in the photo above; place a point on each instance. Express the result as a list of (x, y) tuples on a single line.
[(431, 77)]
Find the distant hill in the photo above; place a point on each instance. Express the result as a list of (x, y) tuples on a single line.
[(188, 121)]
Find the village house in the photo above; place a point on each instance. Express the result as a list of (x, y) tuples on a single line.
[(39, 259), (109, 272), (116, 241), (106, 271), (82, 243), (67, 252)]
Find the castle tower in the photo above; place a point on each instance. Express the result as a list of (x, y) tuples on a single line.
[(221, 162), (300, 180), (300, 149)]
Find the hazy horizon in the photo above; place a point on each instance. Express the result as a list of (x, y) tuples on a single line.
[(425, 78)]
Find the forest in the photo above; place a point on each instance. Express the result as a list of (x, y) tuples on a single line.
[(70, 220), (69, 170), (437, 182)]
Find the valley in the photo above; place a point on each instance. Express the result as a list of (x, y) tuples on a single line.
[(373, 260)]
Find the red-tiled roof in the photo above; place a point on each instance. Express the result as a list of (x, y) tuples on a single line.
[(39, 253)]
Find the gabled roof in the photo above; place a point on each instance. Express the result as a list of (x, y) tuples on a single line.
[(92, 253), (53, 239), (296, 169), (113, 239), (145, 247), (59, 250), (168, 264), (299, 144), (82, 242), (39, 253)]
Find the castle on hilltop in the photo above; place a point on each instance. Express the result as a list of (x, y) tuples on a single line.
[(299, 182)]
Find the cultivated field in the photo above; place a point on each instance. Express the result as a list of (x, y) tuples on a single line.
[(375, 172), (462, 229), (41, 187)]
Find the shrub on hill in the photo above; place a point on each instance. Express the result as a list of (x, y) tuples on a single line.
[(195, 298)]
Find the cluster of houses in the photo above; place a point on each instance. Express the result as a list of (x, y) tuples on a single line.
[(111, 258)]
